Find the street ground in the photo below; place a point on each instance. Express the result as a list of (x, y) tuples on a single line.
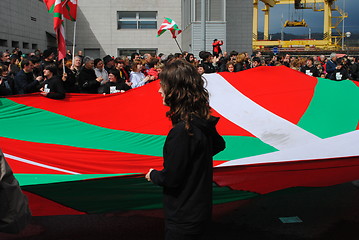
[(326, 213)]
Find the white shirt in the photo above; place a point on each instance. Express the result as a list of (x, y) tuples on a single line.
[(136, 78)]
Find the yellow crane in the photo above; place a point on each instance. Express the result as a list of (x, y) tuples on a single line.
[(329, 42)]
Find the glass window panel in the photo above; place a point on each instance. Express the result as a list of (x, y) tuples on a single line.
[(3, 42), (147, 15), (126, 52), (216, 10), (126, 15), (127, 25), (198, 10), (137, 20), (150, 51), (147, 24)]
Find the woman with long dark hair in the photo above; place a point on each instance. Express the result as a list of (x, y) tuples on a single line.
[(188, 152)]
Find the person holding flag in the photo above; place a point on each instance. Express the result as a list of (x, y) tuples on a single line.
[(188, 153)]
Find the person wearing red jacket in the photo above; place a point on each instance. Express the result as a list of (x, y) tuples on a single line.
[(217, 47)]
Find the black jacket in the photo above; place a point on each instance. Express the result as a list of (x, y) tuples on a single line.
[(87, 81), (106, 88), (188, 173), (340, 74), (208, 67), (70, 85), (313, 70), (7, 86), (55, 87), (25, 83)]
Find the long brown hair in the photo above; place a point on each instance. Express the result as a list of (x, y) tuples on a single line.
[(184, 92)]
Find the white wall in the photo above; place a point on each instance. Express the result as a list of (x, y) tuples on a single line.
[(16, 23)]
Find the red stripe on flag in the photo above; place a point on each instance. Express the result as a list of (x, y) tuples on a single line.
[(265, 178), (61, 44), (79, 160), (40, 206), (117, 110)]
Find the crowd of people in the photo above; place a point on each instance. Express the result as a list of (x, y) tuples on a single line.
[(40, 72)]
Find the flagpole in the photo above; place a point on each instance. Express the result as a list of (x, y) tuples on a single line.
[(73, 45), (178, 45), (63, 66)]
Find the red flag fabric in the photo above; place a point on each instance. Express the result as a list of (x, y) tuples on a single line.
[(70, 9), (169, 24)]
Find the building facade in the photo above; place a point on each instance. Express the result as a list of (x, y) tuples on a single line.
[(25, 24), (227, 20), (121, 27)]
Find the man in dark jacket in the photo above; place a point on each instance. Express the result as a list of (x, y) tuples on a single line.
[(24, 80), (53, 85), (88, 81), (331, 66)]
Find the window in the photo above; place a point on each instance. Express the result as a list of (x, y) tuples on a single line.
[(25, 45), (141, 51), (34, 46), (214, 10), (15, 44), (137, 20), (3, 43), (92, 52)]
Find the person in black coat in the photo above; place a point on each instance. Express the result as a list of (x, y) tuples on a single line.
[(331, 66), (53, 86), (24, 80), (87, 79), (310, 69), (209, 63), (341, 71), (7, 85), (115, 85), (188, 152), (69, 79)]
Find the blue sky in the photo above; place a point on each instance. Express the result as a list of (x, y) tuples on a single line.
[(313, 19)]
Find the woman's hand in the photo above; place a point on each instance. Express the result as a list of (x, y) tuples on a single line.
[(148, 175), (146, 78), (64, 77)]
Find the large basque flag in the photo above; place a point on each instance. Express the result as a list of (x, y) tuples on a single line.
[(89, 153)]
